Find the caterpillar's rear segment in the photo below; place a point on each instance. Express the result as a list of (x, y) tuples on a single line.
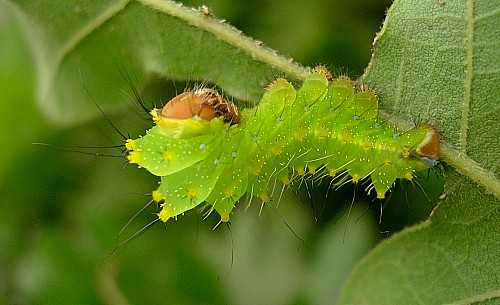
[(204, 150)]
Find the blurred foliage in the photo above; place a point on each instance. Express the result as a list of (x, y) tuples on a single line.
[(61, 211)]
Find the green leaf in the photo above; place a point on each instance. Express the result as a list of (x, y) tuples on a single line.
[(86, 42), (450, 259), (434, 61), (437, 61)]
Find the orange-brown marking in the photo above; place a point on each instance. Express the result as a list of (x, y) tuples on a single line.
[(430, 146), (205, 103)]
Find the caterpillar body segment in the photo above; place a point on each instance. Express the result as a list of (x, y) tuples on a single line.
[(323, 126)]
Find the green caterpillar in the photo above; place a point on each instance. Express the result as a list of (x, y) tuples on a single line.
[(204, 150)]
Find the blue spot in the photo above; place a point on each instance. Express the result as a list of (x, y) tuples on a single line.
[(255, 139), (356, 117), (278, 119), (377, 125), (395, 136), (306, 108), (203, 146), (216, 161), (233, 154), (429, 161), (331, 110)]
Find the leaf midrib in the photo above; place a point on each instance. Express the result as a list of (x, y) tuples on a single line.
[(230, 35), (464, 125), (210, 24), (78, 37)]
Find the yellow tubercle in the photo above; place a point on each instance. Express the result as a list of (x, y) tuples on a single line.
[(129, 144), (191, 193), (154, 113), (224, 217), (157, 196), (229, 193), (264, 198), (278, 151), (285, 181), (168, 155), (380, 195), (406, 153), (322, 70), (133, 157), (164, 215), (300, 171), (255, 171)]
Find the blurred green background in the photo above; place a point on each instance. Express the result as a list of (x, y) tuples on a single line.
[(61, 212)]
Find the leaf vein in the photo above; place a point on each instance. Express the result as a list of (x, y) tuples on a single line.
[(230, 35), (468, 77), (75, 39)]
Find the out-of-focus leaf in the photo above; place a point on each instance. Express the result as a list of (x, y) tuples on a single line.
[(77, 42)]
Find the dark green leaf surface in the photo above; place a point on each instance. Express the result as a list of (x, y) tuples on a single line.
[(434, 61), (450, 259)]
